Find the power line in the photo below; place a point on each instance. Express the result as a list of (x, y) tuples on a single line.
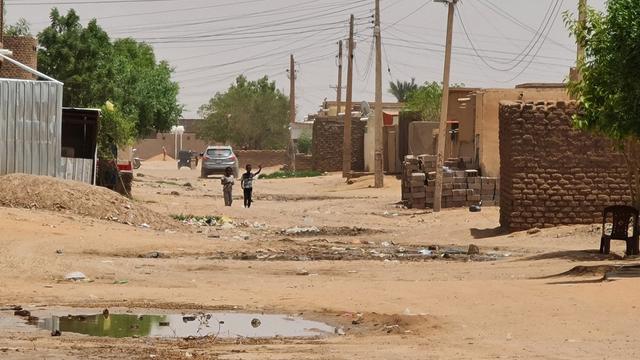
[(520, 57), (97, 2), (502, 13)]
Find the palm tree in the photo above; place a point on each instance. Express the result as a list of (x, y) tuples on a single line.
[(402, 89)]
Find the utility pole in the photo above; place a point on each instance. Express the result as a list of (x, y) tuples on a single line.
[(339, 88), (292, 111), (379, 123), (292, 90), (346, 148), (582, 19), (442, 133), (1, 22)]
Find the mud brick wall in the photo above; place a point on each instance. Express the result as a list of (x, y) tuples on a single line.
[(304, 162), (266, 158), (551, 173), (24, 50), (327, 144)]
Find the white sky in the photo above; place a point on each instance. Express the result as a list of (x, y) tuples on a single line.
[(209, 42)]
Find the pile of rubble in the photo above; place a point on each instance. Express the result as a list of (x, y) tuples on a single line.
[(460, 187)]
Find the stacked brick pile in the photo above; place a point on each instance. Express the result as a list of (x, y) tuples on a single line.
[(460, 188), (464, 188), (413, 183)]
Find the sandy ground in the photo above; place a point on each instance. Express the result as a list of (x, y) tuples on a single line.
[(509, 307)]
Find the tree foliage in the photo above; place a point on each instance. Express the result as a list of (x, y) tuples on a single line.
[(426, 100), (609, 84), (95, 70), (115, 129), (251, 114), (402, 89), (20, 28)]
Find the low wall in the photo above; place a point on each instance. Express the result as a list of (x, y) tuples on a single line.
[(266, 158), (304, 162), (148, 148), (551, 173)]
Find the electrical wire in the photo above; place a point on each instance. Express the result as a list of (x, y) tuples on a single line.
[(522, 56)]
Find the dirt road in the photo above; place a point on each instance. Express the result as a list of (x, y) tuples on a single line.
[(395, 281)]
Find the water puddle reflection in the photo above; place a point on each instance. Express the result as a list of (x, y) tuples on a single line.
[(221, 325)]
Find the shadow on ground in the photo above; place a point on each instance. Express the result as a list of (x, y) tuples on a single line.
[(488, 233), (575, 255)]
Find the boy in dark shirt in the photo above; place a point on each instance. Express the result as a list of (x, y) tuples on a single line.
[(247, 184)]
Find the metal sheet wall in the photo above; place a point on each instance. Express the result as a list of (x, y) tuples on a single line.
[(30, 127)]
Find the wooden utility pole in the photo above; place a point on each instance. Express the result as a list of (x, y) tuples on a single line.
[(339, 88), (1, 22), (442, 133), (346, 147), (379, 123), (292, 111), (292, 91), (582, 19)]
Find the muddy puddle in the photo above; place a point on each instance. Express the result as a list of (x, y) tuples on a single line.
[(217, 325)]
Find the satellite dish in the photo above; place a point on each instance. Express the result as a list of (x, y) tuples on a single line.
[(365, 109)]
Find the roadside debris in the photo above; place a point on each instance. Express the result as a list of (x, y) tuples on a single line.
[(255, 323), (153, 255), (75, 276), (301, 230), (473, 250)]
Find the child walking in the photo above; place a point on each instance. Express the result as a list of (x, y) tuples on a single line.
[(227, 186), (247, 184)]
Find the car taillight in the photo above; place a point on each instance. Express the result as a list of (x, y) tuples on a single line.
[(206, 157), (233, 157)]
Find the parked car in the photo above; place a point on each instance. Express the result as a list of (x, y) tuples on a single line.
[(216, 159)]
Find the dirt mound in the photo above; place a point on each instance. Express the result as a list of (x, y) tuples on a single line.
[(47, 193), (159, 158)]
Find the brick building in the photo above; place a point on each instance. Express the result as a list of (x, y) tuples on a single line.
[(25, 51), (552, 173), (328, 136)]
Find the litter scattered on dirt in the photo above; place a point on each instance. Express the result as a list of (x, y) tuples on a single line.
[(47, 193), (324, 250), (328, 231)]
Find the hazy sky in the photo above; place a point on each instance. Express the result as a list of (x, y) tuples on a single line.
[(210, 42)]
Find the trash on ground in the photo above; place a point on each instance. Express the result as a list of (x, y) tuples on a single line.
[(75, 276)]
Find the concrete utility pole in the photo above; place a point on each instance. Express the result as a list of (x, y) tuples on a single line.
[(442, 133), (346, 148), (292, 111), (339, 88), (379, 123)]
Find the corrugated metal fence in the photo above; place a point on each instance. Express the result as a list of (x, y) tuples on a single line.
[(30, 127)]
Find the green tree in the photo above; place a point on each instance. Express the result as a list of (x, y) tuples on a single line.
[(95, 70), (609, 85), (402, 89), (20, 28), (304, 144), (115, 129), (250, 113), (426, 100)]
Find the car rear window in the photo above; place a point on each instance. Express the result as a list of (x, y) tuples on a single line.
[(219, 153)]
